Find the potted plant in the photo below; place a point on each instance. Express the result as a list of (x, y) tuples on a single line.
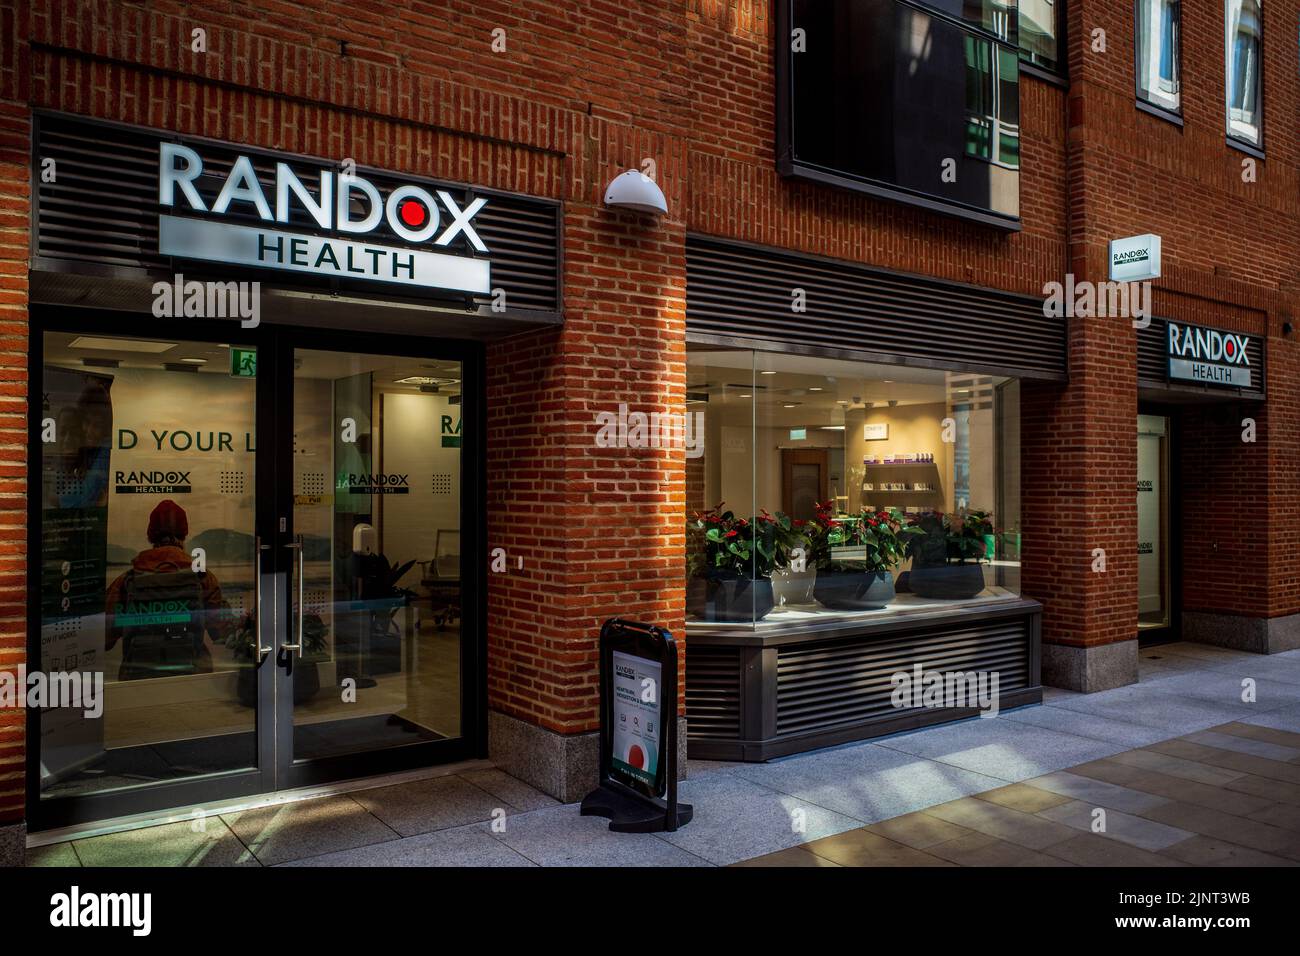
[(855, 556), (946, 554), (306, 674), (731, 564)]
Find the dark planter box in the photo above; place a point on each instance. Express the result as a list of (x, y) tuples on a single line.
[(729, 599), (854, 590), (948, 582)]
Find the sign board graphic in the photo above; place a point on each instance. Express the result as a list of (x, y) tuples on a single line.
[(1135, 259)]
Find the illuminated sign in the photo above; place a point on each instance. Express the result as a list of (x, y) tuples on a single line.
[(409, 236), (1208, 356)]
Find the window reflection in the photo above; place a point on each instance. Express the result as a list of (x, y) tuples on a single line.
[(1159, 23), (1243, 61)]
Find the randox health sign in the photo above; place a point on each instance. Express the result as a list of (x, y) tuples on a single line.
[(346, 207), (1208, 356)]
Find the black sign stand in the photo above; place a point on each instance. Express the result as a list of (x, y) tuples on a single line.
[(634, 806)]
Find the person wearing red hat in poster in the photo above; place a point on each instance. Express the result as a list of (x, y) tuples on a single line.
[(161, 609)]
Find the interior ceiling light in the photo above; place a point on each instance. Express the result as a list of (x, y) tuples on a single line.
[(425, 380), (195, 361), (815, 388), (767, 373), (120, 345), (832, 428)]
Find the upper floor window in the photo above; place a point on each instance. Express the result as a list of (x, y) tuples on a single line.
[(1040, 33), (1159, 52), (1242, 57), (918, 104)]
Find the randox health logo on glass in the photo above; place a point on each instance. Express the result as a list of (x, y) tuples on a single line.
[(346, 227), (378, 484)]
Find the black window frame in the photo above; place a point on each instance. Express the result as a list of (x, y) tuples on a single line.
[(1236, 142), (788, 166), (1060, 73), (1146, 105)]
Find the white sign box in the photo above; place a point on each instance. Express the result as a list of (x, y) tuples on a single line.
[(875, 432), (1135, 259)]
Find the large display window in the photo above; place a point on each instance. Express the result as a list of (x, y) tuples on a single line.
[(833, 491)]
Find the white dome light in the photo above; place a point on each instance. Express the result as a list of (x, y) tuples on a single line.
[(635, 190)]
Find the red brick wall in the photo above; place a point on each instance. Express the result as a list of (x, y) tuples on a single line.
[(557, 114)]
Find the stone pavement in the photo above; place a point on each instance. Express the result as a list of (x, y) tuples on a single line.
[(1179, 768)]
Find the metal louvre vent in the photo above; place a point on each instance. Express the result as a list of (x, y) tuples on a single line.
[(827, 684), (103, 209), (713, 704), (1153, 362), (742, 291)]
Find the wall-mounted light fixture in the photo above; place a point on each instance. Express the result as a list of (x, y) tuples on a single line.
[(635, 190)]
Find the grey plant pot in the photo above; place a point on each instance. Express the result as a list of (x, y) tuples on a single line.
[(949, 582), (854, 590)]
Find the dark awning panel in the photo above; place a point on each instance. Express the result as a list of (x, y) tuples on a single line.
[(743, 292), (96, 241)]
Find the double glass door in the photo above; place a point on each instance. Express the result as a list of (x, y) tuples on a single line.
[(255, 547)]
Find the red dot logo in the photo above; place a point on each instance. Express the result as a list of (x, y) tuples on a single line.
[(413, 213), (1229, 347), (636, 757)]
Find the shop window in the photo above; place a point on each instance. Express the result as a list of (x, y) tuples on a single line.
[(1159, 53), (832, 491), (1242, 56)]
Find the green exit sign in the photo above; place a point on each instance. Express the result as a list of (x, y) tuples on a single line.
[(243, 363)]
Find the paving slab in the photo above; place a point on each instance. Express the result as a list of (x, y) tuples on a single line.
[(867, 783), (1098, 793), (1023, 829), (1082, 724), (559, 836), (1125, 827), (462, 846), (436, 803), (191, 843), (736, 819), (1008, 750), (291, 831)]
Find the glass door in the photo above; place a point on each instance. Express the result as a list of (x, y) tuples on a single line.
[(152, 594), (1153, 491), (374, 660), (256, 550)]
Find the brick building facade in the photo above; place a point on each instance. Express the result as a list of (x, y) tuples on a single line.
[(553, 100)]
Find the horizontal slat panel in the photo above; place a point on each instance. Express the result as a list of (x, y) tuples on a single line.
[(103, 209), (713, 693), (745, 291), (826, 684)]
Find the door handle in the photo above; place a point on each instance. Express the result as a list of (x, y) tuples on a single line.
[(296, 545), (259, 652)]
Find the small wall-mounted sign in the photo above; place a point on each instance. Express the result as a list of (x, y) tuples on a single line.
[(878, 432), (1208, 356), (1135, 259), (798, 434), (243, 362)]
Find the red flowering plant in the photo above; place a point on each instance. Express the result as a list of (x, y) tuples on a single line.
[(949, 538), (726, 545), (870, 541)]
